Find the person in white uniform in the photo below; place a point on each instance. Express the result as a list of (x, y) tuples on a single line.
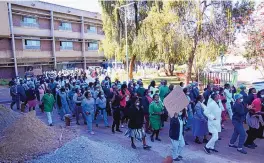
[(229, 99), (213, 113), (176, 136)]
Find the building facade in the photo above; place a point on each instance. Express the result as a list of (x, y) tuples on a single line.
[(46, 36)]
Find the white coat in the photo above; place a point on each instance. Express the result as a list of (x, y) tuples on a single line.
[(213, 111)]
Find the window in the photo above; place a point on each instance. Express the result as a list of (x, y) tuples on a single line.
[(32, 44), (66, 45), (29, 22), (92, 46), (65, 26), (92, 29)]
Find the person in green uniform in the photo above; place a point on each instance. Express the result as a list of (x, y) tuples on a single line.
[(155, 112), (141, 90), (164, 90), (48, 101)]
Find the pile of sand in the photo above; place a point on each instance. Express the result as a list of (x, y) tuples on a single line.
[(7, 117), (28, 137)]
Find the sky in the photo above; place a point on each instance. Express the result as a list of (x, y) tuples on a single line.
[(89, 5), (92, 5)]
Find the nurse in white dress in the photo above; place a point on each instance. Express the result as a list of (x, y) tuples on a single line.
[(213, 113)]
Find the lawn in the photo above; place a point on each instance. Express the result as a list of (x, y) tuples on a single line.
[(171, 80)]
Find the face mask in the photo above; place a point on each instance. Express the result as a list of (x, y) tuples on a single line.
[(262, 96), (137, 104), (203, 101), (149, 94), (180, 113), (102, 96), (217, 92), (187, 93), (241, 100)]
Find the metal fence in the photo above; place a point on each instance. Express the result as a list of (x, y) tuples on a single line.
[(217, 78)]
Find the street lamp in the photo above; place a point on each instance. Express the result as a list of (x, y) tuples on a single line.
[(125, 7)]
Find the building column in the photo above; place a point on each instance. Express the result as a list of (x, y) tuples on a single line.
[(13, 37), (83, 44), (53, 39)]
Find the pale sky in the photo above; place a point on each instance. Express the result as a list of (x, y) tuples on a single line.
[(89, 5), (93, 5)]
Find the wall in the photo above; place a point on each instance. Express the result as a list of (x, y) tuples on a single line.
[(46, 45), (4, 27)]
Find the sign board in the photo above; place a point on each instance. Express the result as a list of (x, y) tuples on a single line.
[(175, 101)]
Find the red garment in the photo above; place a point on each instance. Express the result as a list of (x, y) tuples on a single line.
[(256, 105), (223, 115), (149, 99), (124, 98)]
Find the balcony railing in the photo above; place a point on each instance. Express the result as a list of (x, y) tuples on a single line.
[(65, 28), (32, 47), (25, 24), (66, 48)]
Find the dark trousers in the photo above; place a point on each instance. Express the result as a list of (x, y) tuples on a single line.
[(252, 135), (147, 125), (78, 110), (116, 117)]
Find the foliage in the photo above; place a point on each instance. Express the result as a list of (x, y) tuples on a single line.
[(4, 82), (173, 32)]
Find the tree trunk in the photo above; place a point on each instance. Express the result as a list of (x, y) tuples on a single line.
[(189, 69), (131, 66), (171, 69)]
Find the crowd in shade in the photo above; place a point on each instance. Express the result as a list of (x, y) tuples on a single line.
[(140, 110)]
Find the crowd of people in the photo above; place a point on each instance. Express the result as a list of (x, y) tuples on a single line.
[(143, 111)]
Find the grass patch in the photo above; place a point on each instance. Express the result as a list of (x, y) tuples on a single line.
[(4, 82), (171, 80)]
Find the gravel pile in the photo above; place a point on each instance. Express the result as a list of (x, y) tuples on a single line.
[(28, 137), (82, 149), (7, 117)]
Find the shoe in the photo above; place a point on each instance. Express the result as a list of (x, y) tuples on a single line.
[(119, 130), (107, 126), (51, 124), (186, 143), (92, 133), (250, 146), (146, 147), (205, 141), (242, 151), (113, 131), (85, 123), (177, 159), (73, 115), (180, 157), (207, 150), (232, 145), (77, 123), (152, 139), (197, 141), (219, 138), (254, 145), (214, 150), (158, 139), (223, 128), (148, 132), (133, 146), (96, 125)]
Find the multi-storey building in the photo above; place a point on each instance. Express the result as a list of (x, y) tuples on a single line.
[(47, 36)]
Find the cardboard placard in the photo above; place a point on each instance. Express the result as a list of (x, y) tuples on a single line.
[(175, 101)]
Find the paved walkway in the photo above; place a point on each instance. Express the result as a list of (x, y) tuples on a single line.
[(192, 153)]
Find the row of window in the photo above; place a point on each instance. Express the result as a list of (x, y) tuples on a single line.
[(64, 45), (32, 22)]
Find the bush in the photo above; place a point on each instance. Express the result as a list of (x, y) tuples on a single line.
[(4, 82)]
